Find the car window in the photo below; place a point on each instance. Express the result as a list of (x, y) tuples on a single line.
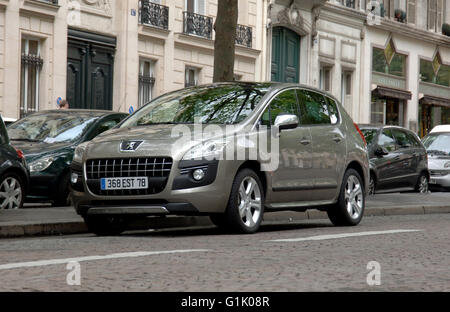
[(105, 125), (386, 140), (437, 144), (313, 108), (283, 103), (369, 134), (3, 133), (403, 140), (414, 139), (334, 114)]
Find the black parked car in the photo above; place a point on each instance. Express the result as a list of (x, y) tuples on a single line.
[(398, 159), (48, 140), (13, 173)]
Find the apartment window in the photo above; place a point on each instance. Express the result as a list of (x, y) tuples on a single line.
[(325, 78), (348, 3), (30, 76), (146, 81), (195, 6), (346, 86), (435, 17), (191, 77)]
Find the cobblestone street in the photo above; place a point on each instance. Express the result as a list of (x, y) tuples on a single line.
[(413, 256)]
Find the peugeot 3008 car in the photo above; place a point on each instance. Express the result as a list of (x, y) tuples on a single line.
[(437, 144), (167, 159), (398, 160), (13, 173), (48, 140)]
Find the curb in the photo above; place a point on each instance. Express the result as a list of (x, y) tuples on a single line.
[(67, 228)]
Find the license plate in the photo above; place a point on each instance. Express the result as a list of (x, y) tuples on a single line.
[(432, 181), (134, 183)]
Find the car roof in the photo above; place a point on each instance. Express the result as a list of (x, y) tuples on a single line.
[(80, 112), (376, 127), (441, 128)]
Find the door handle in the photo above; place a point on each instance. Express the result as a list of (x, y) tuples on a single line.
[(397, 158), (337, 139), (305, 141)]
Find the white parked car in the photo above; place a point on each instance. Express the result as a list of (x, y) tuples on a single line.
[(437, 144), (8, 120)]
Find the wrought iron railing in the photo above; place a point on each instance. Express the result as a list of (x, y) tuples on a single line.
[(244, 35), (197, 25), (153, 14)]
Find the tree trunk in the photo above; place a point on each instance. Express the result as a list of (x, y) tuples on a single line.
[(224, 46)]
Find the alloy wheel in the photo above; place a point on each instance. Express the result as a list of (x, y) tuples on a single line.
[(10, 194), (423, 185), (354, 197), (249, 202), (371, 186)]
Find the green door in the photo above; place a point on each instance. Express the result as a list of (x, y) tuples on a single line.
[(285, 55)]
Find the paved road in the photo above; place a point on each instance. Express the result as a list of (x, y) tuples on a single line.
[(413, 255)]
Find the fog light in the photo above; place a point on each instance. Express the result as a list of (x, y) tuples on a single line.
[(74, 178), (198, 174)]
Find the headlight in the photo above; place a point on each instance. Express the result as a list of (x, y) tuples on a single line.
[(41, 164), (79, 152), (209, 150), (447, 165)]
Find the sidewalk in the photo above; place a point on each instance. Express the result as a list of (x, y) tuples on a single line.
[(45, 220)]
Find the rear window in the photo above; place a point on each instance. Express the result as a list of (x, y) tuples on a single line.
[(369, 134), (3, 133)]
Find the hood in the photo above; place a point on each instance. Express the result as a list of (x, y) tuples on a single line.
[(159, 140), (438, 163), (35, 150)]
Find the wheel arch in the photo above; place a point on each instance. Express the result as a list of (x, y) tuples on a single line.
[(355, 165), (22, 175), (256, 167)]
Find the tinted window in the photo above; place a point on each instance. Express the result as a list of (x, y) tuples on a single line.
[(369, 134), (313, 108), (386, 140), (105, 125), (283, 103), (334, 114), (3, 133), (414, 139), (402, 138)]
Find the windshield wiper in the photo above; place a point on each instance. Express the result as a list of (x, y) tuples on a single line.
[(26, 140)]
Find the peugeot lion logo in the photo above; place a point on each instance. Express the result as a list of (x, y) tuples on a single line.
[(130, 146)]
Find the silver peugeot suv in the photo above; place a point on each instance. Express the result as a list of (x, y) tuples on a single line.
[(232, 151)]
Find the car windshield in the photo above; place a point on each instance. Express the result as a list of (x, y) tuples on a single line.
[(50, 127), (214, 104), (369, 134), (438, 144)]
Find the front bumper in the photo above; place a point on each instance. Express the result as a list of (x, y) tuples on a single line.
[(181, 195), (440, 180)]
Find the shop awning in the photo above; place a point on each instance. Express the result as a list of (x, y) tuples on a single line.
[(433, 100), (392, 93)]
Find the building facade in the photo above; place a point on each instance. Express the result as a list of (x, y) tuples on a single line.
[(116, 55), (387, 61)]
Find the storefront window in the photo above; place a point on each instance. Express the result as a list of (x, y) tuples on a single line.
[(381, 63), (387, 111)]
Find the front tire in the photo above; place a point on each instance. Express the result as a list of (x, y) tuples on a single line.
[(12, 191), (422, 185), (246, 203), (349, 209), (105, 225)]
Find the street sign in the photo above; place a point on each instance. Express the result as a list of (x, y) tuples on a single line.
[(131, 110)]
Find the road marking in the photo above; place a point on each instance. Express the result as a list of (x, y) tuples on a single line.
[(94, 258), (343, 235)]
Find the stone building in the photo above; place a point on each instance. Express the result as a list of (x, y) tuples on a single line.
[(111, 54)]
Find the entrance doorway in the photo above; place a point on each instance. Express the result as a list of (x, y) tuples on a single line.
[(285, 55), (90, 65)]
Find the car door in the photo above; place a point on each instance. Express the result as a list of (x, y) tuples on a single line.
[(409, 158), (387, 165), (328, 140), (292, 181)]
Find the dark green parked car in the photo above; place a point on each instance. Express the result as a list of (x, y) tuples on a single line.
[(48, 140)]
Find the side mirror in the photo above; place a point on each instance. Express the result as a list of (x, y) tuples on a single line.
[(381, 151), (285, 122)]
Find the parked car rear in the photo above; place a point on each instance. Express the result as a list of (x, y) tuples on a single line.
[(437, 144), (13, 173), (398, 159)]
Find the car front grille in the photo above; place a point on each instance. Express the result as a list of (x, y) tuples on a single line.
[(439, 173), (157, 169)]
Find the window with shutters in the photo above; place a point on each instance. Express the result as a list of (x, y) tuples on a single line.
[(435, 15)]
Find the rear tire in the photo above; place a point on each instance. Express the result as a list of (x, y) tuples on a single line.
[(245, 207), (105, 225), (422, 185), (349, 209), (12, 189), (372, 185)]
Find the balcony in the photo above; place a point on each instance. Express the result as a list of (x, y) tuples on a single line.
[(153, 14), (244, 36), (197, 25)]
